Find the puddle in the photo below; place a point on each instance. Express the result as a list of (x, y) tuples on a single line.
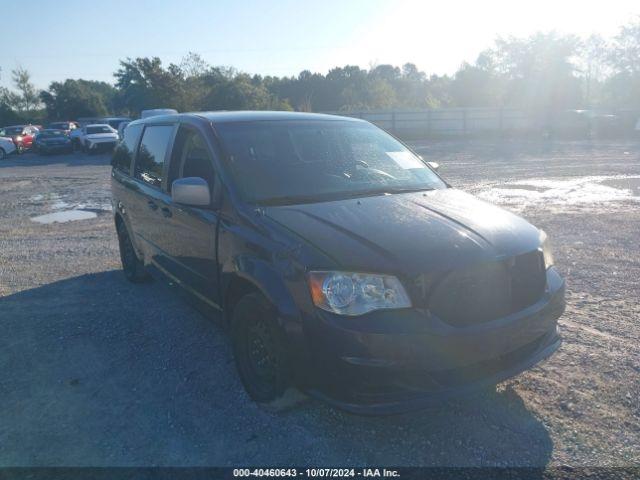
[(64, 216), (566, 193), (102, 207), (59, 205), (64, 209), (631, 183)]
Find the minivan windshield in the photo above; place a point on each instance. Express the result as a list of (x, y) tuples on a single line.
[(281, 162)]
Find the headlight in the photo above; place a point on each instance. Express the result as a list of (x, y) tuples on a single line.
[(18, 138), (546, 249), (349, 293)]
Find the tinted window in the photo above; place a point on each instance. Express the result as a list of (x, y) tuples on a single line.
[(99, 129), (123, 154), (51, 133), (197, 162), (151, 153), (190, 157), (286, 161), (13, 131)]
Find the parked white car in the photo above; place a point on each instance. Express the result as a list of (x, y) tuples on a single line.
[(7, 147), (98, 137)]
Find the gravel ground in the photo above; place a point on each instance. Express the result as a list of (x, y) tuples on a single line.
[(98, 372)]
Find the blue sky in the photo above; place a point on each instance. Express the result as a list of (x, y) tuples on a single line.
[(57, 39)]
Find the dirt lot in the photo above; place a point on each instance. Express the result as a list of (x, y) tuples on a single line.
[(98, 372)]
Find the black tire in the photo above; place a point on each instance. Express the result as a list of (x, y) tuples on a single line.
[(259, 350), (132, 266), (3, 154)]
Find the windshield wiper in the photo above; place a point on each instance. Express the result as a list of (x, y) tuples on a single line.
[(409, 190), (324, 197), (320, 197), (291, 199)]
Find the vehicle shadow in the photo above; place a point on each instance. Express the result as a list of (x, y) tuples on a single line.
[(100, 372), (76, 159)]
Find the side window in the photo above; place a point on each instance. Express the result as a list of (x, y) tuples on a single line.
[(151, 153), (123, 156), (191, 157)]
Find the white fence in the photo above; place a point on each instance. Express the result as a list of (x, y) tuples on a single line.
[(501, 121)]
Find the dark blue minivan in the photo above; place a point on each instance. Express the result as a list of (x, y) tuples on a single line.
[(340, 261)]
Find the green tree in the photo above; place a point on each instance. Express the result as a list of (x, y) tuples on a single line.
[(540, 72), (594, 57), (27, 100), (78, 98), (145, 84), (622, 88), (242, 93), (625, 54), (475, 86)]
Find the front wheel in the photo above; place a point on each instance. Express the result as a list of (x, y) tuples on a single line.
[(132, 266), (259, 350)]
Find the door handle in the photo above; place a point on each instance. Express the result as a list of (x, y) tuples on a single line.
[(152, 205), (166, 212)]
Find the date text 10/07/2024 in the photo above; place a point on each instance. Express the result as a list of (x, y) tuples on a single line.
[(317, 472)]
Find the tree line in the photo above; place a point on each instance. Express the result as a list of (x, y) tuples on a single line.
[(544, 72)]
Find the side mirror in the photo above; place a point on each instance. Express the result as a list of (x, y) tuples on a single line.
[(434, 165), (193, 191)]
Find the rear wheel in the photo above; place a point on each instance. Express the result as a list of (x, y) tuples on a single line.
[(132, 266), (259, 350)]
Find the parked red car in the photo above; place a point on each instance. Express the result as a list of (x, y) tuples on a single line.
[(22, 135)]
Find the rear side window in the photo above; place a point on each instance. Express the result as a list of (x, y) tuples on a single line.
[(151, 154), (124, 153)]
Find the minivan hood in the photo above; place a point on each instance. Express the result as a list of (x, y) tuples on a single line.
[(410, 233)]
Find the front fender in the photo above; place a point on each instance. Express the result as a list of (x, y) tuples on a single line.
[(277, 288), (266, 279)]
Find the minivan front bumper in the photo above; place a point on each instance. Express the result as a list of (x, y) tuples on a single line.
[(398, 361)]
